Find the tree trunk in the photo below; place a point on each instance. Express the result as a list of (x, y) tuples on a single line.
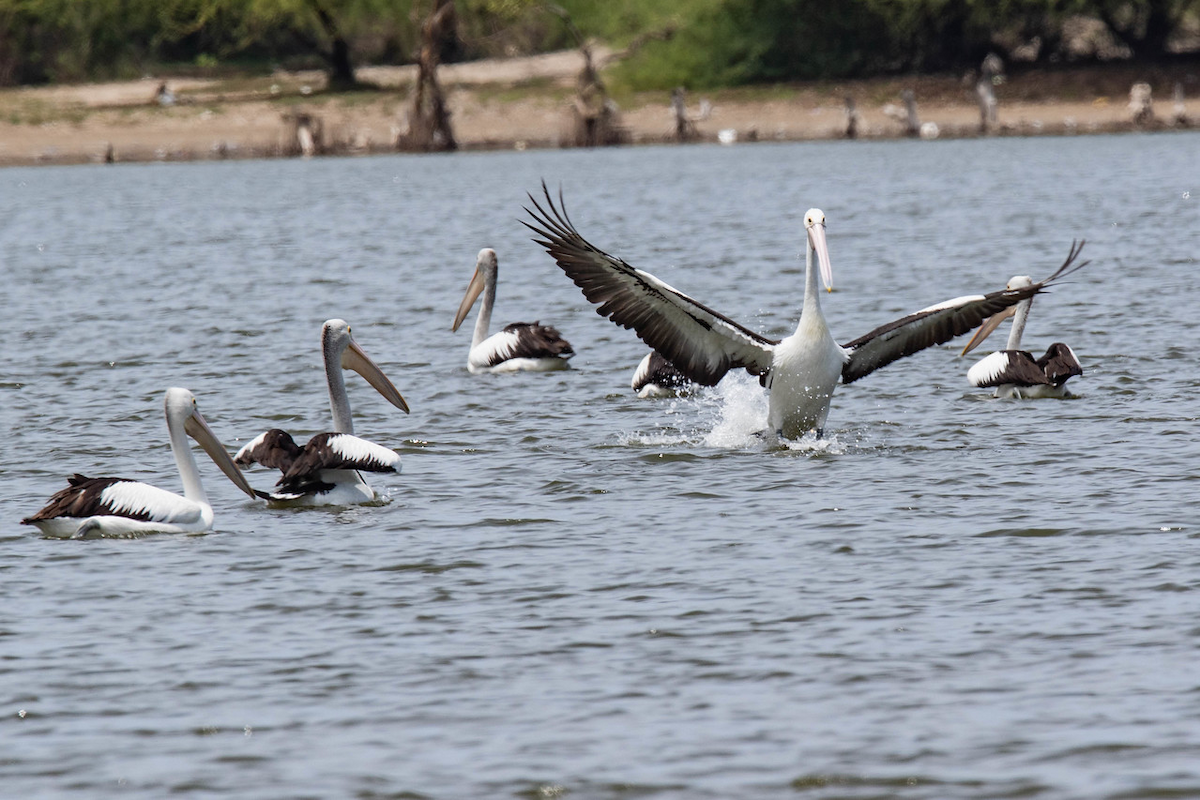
[(341, 70), (428, 118)]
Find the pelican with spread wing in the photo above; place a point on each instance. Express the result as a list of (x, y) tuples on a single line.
[(800, 371)]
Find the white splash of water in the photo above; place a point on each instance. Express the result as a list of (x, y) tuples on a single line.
[(740, 406), (810, 444), (729, 416), (659, 438)]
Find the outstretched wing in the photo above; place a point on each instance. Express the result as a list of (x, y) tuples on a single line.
[(701, 343), (938, 324)]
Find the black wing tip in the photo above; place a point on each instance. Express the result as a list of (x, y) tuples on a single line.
[(1069, 264)]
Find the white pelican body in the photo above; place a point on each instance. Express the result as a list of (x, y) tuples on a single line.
[(806, 366), (802, 370), (328, 469), (521, 346), (655, 376), (1015, 372), (118, 507)]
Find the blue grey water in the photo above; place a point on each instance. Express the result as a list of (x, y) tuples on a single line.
[(573, 592)]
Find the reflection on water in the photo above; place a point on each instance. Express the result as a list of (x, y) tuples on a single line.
[(573, 591)]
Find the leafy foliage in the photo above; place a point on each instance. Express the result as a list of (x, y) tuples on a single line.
[(698, 43)]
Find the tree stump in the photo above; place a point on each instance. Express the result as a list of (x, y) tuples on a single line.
[(429, 127), (912, 123), (305, 136), (685, 129), (853, 118), (991, 72), (1141, 105)]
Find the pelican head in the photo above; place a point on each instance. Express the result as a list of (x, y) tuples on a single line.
[(486, 267), (340, 348), (993, 322), (180, 407), (814, 225)]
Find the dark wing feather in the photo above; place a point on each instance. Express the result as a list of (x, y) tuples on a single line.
[(335, 451), (659, 371), (1059, 364), (700, 342), (275, 449), (938, 324), (535, 340), (82, 498), (1007, 367)]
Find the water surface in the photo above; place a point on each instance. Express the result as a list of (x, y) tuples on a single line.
[(573, 592)]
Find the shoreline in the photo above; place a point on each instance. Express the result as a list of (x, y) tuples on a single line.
[(524, 103)]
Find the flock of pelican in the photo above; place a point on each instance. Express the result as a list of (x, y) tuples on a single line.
[(691, 344)]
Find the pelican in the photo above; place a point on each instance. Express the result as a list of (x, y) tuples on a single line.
[(91, 507), (327, 470), (802, 370), (655, 376), (1015, 372), (521, 346)]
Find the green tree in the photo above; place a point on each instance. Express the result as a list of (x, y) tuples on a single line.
[(1144, 26), (328, 28)]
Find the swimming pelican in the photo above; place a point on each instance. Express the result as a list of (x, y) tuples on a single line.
[(521, 346), (327, 470), (1015, 372), (802, 370), (119, 507), (655, 376)]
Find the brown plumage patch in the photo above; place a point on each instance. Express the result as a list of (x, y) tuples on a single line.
[(1059, 364), (82, 498), (277, 450), (535, 340)]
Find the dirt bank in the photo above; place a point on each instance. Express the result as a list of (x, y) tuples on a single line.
[(523, 102)]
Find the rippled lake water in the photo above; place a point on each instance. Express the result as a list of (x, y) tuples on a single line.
[(573, 592)]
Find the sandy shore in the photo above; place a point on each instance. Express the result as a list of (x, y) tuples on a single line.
[(524, 102)]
